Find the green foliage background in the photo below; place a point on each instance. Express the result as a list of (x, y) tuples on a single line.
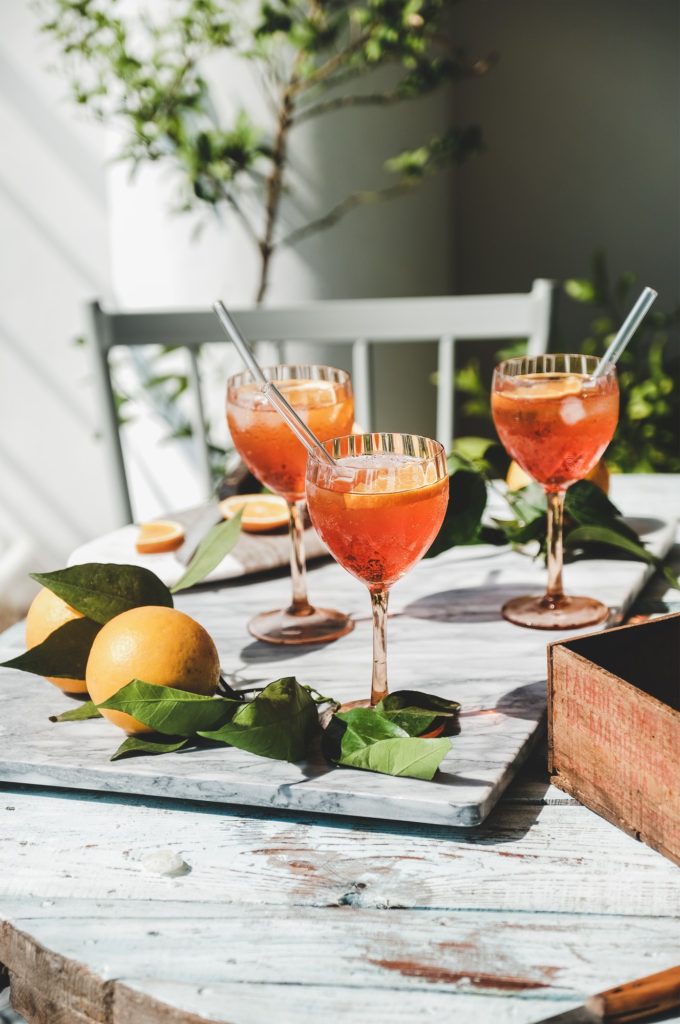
[(647, 439)]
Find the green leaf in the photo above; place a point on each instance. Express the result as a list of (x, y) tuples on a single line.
[(612, 538), (580, 289), (133, 746), (364, 727), (215, 546), (415, 712), (63, 654), (670, 577), (171, 711), (280, 723), (472, 453), (586, 503), (411, 757), (103, 590), (596, 534), (80, 714), (528, 504), (462, 520)]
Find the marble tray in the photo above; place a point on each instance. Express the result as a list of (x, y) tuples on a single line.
[(445, 636)]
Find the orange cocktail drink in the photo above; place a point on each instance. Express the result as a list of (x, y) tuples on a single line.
[(555, 415), (322, 396), (556, 426), (378, 511), (264, 440)]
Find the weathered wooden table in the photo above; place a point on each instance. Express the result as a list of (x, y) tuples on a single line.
[(135, 910)]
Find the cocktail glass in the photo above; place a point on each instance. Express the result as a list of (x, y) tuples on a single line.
[(322, 396), (378, 509), (555, 418)]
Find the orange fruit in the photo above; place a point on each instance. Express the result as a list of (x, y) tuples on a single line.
[(158, 645), (161, 535), (260, 511), (516, 477), (47, 613)]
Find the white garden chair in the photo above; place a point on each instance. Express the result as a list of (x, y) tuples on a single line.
[(359, 323)]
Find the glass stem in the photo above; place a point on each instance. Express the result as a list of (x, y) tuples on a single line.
[(299, 605), (379, 678), (555, 593)]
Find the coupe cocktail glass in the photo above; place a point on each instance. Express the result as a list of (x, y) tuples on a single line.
[(555, 418), (378, 509), (322, 396)]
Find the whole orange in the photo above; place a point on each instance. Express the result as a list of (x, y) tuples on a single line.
[(158, 645), (47, 613)]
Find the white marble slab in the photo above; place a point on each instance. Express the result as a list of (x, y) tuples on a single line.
[(445, 636)]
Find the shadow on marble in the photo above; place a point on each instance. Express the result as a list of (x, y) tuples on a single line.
[(526, 702), (257, 651), (468, 604)]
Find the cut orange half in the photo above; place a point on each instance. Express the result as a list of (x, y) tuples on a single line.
[(161, 535), (261, 512)]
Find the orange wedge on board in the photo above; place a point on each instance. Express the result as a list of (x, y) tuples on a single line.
[(261, 512), (162, 535)]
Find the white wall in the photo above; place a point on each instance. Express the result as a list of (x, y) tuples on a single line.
[(54, 488)]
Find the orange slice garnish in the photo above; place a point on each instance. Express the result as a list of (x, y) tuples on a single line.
[(161, 535), (551, 386), (261, 512)]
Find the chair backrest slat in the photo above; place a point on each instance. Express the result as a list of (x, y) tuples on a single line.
[(360, 323), (445, 388), (198, 422), (361, 383)]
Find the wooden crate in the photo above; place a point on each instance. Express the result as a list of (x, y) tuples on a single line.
[(614, 727)]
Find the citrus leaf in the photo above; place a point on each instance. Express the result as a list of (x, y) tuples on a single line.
[(463, 516), (670, 577), (280, 723), (472, 453), (133, 746), (63, 654), (214, 547), (597, 534), (414, 711), (364, 727), (585, 502), (529, 503), (171, 711), (612, 538), (103, 590), (411, 757), (80, 714)]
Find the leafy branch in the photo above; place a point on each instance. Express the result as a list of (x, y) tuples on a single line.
[(594, 522), (144, 75)]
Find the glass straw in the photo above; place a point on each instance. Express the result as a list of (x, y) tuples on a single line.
[(626, 330), (269, 389)]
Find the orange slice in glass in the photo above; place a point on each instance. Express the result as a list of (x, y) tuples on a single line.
[(261, 512), (161, 535)]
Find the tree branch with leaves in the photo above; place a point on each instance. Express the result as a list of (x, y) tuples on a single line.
[(145, 74)]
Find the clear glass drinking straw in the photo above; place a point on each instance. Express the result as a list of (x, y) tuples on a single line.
[(626, 330), (269, 388)]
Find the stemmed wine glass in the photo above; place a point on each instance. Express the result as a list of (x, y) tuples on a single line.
[(555, 415), (378, 507), (322, 396)]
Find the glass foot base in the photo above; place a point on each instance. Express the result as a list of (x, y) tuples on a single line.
[(565, 613), (316, 626)]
